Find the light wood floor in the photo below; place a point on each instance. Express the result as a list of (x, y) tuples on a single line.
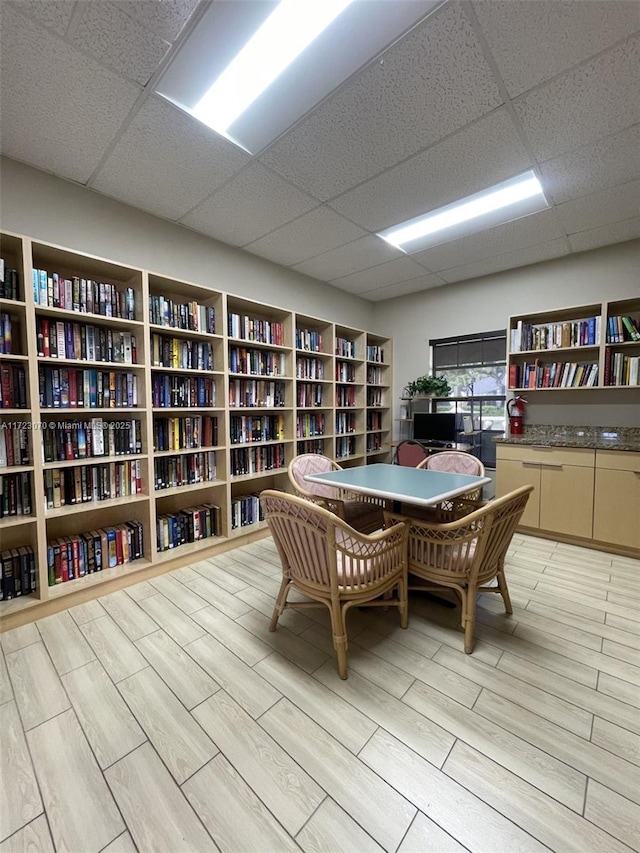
[(167, 718)]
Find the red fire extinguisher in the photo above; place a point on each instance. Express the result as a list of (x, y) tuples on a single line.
[(515, 410)]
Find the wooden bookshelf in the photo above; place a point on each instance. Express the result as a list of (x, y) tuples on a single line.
[(250, 382)]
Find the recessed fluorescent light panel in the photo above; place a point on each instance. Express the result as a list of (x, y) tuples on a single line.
[(512, 199), (251, 68)]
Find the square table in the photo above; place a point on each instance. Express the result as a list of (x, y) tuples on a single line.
[(400, 484)]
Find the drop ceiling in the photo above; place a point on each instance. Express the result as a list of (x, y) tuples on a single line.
[(474, 93)]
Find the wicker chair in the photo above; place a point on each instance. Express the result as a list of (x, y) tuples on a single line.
[(360, 512), (334, 565), (466, 553), (456, 462)]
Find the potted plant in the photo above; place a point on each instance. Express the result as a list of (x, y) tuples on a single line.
[(427, 386)]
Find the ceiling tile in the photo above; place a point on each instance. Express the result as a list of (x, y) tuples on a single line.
[(106, 32), (617, 232), (592, 101), (390, 272), (601, 208), (539, 227), (532, 42), (164, 17), (507, 261), (610, 161), (166, 162), (60, 109), (432, 82), (251, 204), (55, 14), (312, 234), (488, 151), (359, 255), (403, 288)]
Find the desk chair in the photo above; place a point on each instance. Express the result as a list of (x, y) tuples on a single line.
[(410, 453), (334, 565)]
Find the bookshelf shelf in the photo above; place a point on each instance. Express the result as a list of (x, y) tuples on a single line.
[(16, 521), (92, 506), (92, 460), (187, 488)]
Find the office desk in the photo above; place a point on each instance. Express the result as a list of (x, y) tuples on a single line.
[(399, 484)]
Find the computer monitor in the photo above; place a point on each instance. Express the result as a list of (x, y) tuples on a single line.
[(435, 426)]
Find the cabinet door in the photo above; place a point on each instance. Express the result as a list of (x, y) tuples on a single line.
[(617, 507), (510, 475), (566, 499)]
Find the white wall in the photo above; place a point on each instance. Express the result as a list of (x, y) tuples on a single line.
[(53, 210)]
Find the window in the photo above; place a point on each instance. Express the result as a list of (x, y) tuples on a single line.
[(475, 368)]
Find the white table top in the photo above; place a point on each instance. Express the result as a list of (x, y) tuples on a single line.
[(396, 482)]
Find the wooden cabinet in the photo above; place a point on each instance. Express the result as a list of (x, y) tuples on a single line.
[(616, 510)]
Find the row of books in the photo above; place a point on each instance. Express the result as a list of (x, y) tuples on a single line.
[(65, 441), (345, 348), (185, 433), (181, 354), (191, 316), (14, 444), (254, 329), (76, 388), (309, 368), (15, 494), (308, 396), (311, 446), (13, 386), (561, 374), (623, 328), (244, 429), (63, 340), (309, 340), (6, 334), (52, 290), (374, 375), (246, 510), (346, 397), (171, 391), (375, 353), (17, 572), (254, 460), (92, 483), (621, 369), (345, 372), (9, 282), (374, 442), (310, 425), (72, 557), (188, 525), (252, 393), (345, 422), (562, 335), (186, 470), (345, 446), (257, 362), (374, 397), (374, 420)]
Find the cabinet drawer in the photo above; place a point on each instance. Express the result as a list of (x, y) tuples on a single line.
[(618, 460), (581, 456)]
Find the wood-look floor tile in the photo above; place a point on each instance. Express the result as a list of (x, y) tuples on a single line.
[(20, 800), (236, 818), (170, 618), (617, 740), (185, 574), (565, 604), (283, 786), (81, 810), (128, 615), (457, 811), (605, 630), (178, 739), (178, 670), (625, 691), (140, 591), (122, 844), (331, 828), (490, 612), (248, 561), (348, 725), (66, 645), (157, 813), (383, 813), (424, 835), (269, 585), (182, 596), (36, 685), (6, 693), (240, 681), (234, 636), (622, 653), (82, 613), (613, 813), (20, 637), (113, 648), (293, 620), (626, 625), (111, 729), (524, 759), (32, 838), (215, 572), (215, 595), (443, 627), (283, 641)]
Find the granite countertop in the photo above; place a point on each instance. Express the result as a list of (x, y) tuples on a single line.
[(598, 438)]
